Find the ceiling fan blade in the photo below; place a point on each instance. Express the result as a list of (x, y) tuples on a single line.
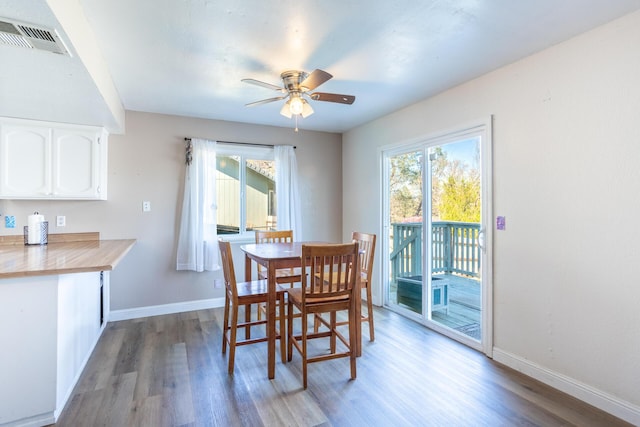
[(265, 101), (315, 79), (263, 84), (333, 97)]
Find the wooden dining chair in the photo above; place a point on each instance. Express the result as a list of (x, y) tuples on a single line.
[(330, 275), (288, 276), (244, 294), (283, 275), (367, 245)]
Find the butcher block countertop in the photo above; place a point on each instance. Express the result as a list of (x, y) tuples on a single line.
[(64, 254)]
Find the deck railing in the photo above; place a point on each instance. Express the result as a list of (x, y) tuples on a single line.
[(455, 249)]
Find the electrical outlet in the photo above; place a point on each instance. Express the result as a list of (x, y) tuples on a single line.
[(146, 206), (61, 221)]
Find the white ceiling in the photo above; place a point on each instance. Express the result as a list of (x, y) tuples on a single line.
[(187, 57)]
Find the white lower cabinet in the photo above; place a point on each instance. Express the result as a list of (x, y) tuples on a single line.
[(42, 160), (50, 325)]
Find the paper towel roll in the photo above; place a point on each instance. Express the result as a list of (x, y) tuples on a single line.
[(34, 231)]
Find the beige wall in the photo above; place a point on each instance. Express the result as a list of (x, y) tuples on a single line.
[(566, 153), (147, 163)]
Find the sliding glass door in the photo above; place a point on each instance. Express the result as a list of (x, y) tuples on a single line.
[(434, 228)]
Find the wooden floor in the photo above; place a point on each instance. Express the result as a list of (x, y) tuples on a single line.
[(169, 371)]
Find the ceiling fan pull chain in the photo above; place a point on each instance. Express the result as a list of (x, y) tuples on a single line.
[(296, 122)]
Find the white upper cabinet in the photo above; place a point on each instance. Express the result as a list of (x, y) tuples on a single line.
[(41, 160)]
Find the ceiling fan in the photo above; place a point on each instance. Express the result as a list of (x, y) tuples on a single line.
[(297, 85)]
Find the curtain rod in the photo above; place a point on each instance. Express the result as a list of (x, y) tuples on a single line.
[(241, 143), (190, 148)]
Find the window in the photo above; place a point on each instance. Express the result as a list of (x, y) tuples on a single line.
[(245, 189)]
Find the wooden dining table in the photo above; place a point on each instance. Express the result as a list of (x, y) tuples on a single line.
[(274, 256)]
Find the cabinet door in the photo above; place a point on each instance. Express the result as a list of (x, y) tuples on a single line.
[(43, 160), (76, 164), (25, 159)]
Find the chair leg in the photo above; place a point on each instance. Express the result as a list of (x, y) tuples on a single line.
[(225, 325), (304, 350), (353, 342), (316, 323), (233, 338), (283, 330), (290, 331), (370, 313), (247, 319), (332, 339)]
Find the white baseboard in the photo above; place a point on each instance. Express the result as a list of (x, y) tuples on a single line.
[(601, 400), (157, 310), (35, 421)]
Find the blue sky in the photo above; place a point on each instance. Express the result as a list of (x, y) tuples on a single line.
[(463, 150)]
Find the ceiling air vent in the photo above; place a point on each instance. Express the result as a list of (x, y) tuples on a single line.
[(19, 34)]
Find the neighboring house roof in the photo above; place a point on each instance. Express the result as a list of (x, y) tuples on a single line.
[(262, 170)]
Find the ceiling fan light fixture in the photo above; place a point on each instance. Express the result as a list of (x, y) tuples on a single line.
[(285, 110), (306, 109), (296, 105)]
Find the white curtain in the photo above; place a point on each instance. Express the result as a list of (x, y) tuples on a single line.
[(287, 197), (198, 240)]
